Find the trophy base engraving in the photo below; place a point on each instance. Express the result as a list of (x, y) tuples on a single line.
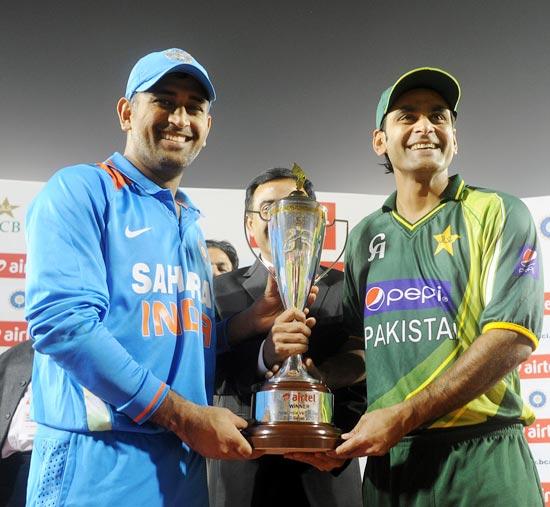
[(292, 416), (284, 437)]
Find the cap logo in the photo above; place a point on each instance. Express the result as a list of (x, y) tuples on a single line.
[(178, 55)]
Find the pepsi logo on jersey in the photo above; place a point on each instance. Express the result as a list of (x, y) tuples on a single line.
[(407, 294), (528, 264)]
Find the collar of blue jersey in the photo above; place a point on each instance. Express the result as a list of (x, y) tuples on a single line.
[(453, 192), (132, 172)]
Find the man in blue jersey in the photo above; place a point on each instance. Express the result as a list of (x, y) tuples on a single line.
[(120, 308)]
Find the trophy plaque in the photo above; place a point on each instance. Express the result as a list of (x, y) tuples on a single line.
[(292, 411)]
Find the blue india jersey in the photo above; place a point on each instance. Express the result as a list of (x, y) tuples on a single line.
[(119, 299)]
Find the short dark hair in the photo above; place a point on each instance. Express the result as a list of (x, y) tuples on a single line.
[(226, 248), (276, 173)]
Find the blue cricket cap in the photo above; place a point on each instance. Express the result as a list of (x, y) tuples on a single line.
[(152, 67)]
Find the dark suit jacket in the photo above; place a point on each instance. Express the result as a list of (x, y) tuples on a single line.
[(255, 483), (15, 375), (237, 369)]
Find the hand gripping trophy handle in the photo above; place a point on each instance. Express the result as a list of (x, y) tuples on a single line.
[(293, 410)]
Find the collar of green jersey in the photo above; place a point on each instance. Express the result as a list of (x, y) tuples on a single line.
[(453, 192)]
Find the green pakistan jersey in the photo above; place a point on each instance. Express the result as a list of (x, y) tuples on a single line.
[(421, 293)]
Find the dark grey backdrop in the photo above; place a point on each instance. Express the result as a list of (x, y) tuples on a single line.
[(297, 81)]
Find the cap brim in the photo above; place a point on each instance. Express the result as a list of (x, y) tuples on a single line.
[(433, 79), (184, 68)]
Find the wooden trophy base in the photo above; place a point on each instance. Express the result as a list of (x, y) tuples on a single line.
[(283, 437)]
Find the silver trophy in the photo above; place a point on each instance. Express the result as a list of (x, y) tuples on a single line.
[(292, 411)]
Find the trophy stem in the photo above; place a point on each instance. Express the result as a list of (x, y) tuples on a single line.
[(292, 369)]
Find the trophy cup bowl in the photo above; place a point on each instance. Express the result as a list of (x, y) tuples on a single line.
[(292, 411)]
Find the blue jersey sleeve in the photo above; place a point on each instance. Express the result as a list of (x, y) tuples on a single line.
[(67, 294)]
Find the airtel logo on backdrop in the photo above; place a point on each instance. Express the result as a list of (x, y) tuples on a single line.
[(538, 432), (12, 333), (537, 366), (547, 303), (12, 265)]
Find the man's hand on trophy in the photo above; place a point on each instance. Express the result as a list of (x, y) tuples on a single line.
[(288, 336), (267, 307), (375, 433), (260, 317), (213, 432), (319, 460)]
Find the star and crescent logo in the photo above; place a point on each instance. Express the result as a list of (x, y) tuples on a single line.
[(445, 241)]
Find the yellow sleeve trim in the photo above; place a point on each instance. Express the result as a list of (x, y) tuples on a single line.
[(512, 327)]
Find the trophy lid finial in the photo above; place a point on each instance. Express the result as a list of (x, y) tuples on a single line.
[(300, 175)]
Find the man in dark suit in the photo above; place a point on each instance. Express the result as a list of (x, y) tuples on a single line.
[(15, 378), (275, 480)]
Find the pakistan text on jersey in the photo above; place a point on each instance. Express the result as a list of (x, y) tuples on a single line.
[(413, 330)]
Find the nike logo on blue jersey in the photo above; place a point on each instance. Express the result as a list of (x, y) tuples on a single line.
[(132, 234)]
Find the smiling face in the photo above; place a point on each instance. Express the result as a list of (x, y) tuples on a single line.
[(166, 126), (418, 133)]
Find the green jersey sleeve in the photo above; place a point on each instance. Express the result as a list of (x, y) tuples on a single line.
[(512, 270)]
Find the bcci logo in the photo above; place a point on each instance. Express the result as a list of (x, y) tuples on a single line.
[(537, 399), (545, 227), (179, 55), (17, 299)]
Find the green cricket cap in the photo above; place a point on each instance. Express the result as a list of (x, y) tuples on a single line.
[(423, 77)]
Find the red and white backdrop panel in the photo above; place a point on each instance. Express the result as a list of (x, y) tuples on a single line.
[(223, 219)]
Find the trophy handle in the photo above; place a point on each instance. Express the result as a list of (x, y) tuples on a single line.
[(258, 258), (327, 271)]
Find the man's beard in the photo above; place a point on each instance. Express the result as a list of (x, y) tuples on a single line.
[(166, 165)]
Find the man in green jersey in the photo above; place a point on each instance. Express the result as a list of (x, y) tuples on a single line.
[(444, 283)]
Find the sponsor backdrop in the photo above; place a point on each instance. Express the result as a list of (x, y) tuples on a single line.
[(535, 372), (223, 219)]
